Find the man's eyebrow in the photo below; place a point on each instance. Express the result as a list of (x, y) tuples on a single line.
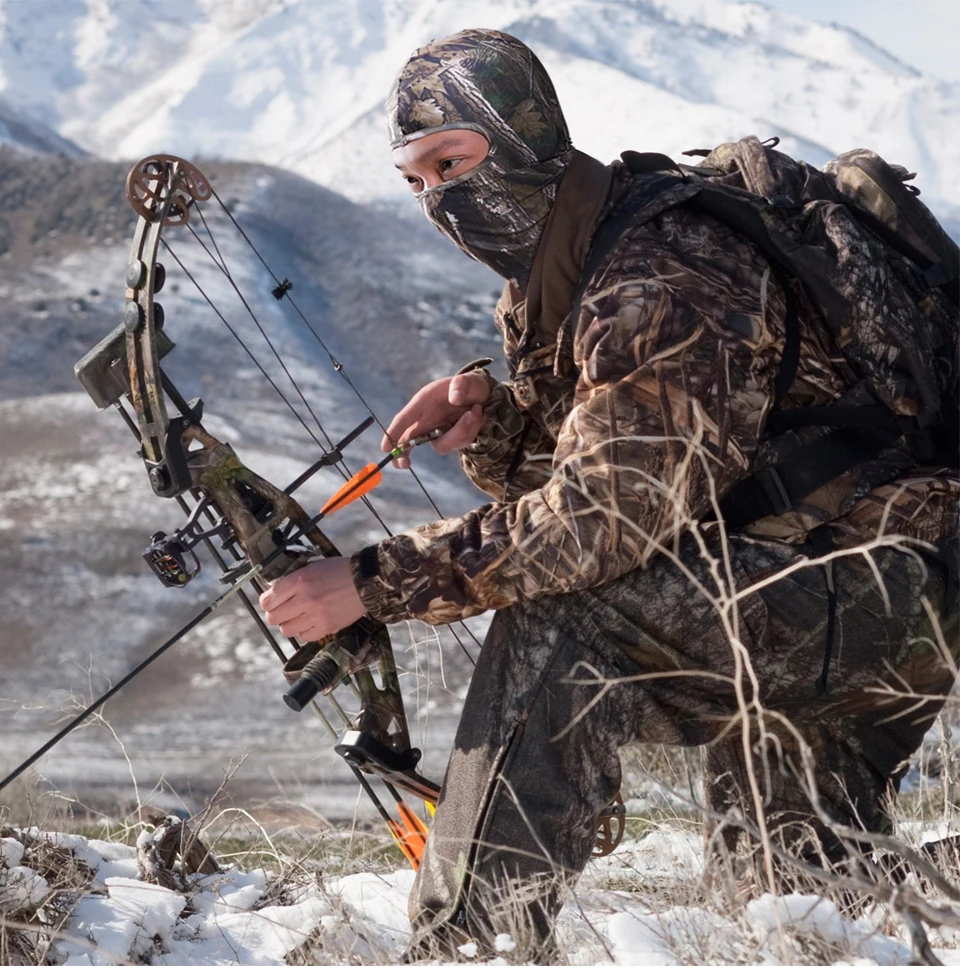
[(438, 149)]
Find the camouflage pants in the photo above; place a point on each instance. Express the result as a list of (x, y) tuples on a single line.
[(536, 754)]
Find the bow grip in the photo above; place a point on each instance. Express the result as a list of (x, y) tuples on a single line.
[(315, 668)]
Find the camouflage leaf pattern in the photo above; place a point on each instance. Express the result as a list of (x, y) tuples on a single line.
[(677, 351)]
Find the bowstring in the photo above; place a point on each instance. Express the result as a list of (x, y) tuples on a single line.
[(217, 258), (341, 465), (239, 340)]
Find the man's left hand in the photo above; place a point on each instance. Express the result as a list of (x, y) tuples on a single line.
[(316, 600)]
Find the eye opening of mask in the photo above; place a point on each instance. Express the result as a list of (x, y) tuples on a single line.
[(431, 162), (452, 126)]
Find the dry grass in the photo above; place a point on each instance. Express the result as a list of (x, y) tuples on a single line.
[(34, 912), (709, 917)]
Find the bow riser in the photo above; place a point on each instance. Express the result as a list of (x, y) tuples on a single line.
[(261, 515)]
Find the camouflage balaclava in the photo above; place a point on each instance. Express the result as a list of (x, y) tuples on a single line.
[(487, 81)]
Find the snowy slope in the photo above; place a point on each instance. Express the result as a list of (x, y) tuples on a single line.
[(300, 83)]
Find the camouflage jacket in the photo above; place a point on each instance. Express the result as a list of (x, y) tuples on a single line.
[(614, 434)]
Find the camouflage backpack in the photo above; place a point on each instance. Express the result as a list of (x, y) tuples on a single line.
[(872, 260)]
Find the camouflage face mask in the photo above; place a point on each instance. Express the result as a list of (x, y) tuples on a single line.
[(487, 81)]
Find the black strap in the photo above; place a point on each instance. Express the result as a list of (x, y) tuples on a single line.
[(820, 543), (867, 416), (368, 561), (781, 487), (790, 358), (649, 162)]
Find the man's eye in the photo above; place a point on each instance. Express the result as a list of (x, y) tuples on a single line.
[(449, 163)]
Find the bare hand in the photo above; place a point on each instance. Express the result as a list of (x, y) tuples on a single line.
[(454, 401), (316, 600)]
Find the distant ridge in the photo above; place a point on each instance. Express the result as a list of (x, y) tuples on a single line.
[(300, 83), (20, 131)]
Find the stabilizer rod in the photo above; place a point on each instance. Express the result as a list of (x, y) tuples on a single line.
[(112, 691)]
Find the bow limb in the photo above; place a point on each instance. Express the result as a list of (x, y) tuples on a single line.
[(161, 189)]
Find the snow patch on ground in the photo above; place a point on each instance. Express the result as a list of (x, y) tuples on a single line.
[(257, 917)]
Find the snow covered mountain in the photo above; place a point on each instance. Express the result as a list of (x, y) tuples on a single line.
[(20, 131), (300, 83)]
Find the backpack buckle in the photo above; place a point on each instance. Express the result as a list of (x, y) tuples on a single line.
[(773, 487)]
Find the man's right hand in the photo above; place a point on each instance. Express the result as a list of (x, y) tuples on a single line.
[(454, 401)]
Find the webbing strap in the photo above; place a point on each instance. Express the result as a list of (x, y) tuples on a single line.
[(790, 358), (781, 487), (868, 416)]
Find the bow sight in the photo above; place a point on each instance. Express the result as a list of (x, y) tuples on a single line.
[(166, 556)]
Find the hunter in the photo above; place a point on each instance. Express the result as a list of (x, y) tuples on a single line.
[(609, 455)]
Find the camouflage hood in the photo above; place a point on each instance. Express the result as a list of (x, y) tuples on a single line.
[(490, 82)]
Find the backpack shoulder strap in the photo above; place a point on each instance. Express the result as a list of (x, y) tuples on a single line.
[(737, 213), (637, 209)]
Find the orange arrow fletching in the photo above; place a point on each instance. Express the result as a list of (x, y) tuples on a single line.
[(396, 831), (361, 483), (410, 838), (410, 833)]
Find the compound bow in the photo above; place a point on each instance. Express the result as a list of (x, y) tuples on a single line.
[(261, 528), (263, 533)]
